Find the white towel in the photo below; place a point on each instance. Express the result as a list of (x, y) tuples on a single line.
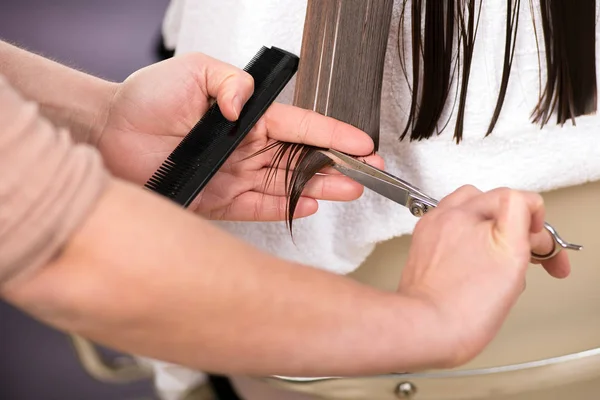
[(518, 154)]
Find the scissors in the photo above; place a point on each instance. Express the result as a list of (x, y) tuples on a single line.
[(411, 197)]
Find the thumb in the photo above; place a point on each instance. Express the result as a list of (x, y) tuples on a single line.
[(231, 86)]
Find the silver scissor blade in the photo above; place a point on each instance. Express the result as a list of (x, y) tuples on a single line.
[(411, 197), (352, 163), (349, 163), (379, 186)]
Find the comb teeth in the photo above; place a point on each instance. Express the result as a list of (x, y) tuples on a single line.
[(210, 142)]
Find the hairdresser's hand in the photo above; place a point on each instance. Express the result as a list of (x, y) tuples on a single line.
[(468, 263), (156, 107)]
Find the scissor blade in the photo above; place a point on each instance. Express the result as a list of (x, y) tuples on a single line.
[(352, 163), (383, 188), (349, 163)]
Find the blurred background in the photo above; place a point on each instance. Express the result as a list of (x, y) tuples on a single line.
[(107, 38)]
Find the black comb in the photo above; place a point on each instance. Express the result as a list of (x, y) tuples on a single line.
[(210, 142)]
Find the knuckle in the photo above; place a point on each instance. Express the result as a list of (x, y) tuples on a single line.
[(446, 201), (538, 199), (440, 221), (510, 198), (281, 209), (467, 189), (335, 133), (231, 78), (462, 193), (503, 191), (247, 79)]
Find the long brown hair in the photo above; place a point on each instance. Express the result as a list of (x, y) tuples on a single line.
[(569, 29), (340, 75), (342, 61)]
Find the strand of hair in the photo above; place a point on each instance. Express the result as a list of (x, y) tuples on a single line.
[(512, 26), (433, 61), (468, 30)]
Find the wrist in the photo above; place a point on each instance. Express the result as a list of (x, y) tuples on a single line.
[(427, 341), (85, 119), (67, 97), (96, 117)]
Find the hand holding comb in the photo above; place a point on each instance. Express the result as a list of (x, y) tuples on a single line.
[(207, 146)]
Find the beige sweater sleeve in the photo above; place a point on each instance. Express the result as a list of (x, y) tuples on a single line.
[(47, 185)]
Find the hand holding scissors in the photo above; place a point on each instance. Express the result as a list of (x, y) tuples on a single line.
[(412, 197)]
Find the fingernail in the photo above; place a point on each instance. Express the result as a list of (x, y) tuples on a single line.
[(237, 106)]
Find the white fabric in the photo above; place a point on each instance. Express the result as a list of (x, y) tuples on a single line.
[(518, 154), (172, 23)]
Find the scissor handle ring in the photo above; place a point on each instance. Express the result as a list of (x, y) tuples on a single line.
[(559, 245), (555, 250)]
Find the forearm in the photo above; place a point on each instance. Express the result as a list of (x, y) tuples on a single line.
[(47, 185), (67, 97), (148, 278)]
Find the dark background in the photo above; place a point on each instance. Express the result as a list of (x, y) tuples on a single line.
[(109, 38)]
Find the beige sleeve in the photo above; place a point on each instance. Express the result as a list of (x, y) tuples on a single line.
[(47, 185)]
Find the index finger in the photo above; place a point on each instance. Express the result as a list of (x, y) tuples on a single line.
[(293, 124)]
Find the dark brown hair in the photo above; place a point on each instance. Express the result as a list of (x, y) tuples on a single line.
[(434, 63), (340, 76), (442, 48), (342, 59), (569, 29), (513, 11)]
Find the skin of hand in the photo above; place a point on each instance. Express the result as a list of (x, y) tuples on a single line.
[(468, 263), (152, 110)]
